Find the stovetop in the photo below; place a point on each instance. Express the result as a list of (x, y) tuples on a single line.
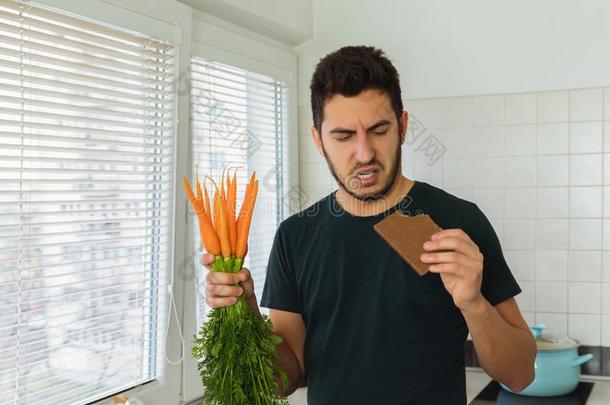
[(494, 394)]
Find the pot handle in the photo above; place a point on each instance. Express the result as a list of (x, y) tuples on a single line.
[(582, 359)]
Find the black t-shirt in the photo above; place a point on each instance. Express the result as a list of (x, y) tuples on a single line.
[(378, 333)]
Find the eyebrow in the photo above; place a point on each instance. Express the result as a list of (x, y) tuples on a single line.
[(376, 125)]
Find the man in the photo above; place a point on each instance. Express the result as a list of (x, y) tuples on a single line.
[(358, 323)]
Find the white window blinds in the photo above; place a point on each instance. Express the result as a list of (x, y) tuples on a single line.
[(239, 119), (86, 126)]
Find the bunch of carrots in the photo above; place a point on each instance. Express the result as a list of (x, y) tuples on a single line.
[(235, 348)]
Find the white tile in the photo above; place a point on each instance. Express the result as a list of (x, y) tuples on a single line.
[(429, 112), (585, 234), (520, 108), (607, 135), (457, 173), (521, 263), (551, 234), (488, 110), (552, 138), (606, 168), (518, 233), (606, 234), (490, 201), (606, 330), (551, 296), (551, 265), (584, 298), (529, 317), (606, 266), (488, 141), (458, 142), (552, 106), (520, 203), (457, 112), (556, 324), (426, 172), (585, 202), (586, 104), (606, 298), (585, 170), (520, 140), (552, 202), (552, 170), (586, 137), (586, 329), (606, 201), (489, 172), (584, 265), (607, 103), (520, 171), (527, 299)]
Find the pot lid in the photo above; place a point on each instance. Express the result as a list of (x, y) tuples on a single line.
[(548, 342)]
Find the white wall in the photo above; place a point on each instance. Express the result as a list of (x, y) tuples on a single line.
[(449, 48), (288, 21), (537, 164)]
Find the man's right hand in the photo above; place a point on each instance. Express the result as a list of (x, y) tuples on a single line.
[(221, 289)]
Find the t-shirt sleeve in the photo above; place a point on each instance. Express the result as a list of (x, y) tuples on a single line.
[(498, 282), (280, 290)]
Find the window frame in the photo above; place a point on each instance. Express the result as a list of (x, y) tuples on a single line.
[(216, 40), (194, 34)]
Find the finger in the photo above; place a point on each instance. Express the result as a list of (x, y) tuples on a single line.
[(219, 290), (244, 274), (448, 257), (455, 269), (207, 259), (452, 232), (218, 277), (463, 246), (218, 302)]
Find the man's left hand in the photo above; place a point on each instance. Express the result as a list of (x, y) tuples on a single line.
[(457, 258)]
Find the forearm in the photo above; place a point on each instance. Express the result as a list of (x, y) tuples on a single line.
[(505, 352), (286, 360)]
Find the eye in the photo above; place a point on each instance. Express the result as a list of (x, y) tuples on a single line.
[(344, 138), (381, 131)]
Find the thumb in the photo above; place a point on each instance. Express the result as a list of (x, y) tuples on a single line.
[(244, 274)]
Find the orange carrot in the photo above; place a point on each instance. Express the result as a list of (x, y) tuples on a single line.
[(207, 234), (223, 229), (245, 219), (232, 222), (189, 191)]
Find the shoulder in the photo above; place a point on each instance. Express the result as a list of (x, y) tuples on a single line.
[(306, 221), (445, 208)]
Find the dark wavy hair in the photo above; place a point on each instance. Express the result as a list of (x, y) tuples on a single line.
[(349, 71)]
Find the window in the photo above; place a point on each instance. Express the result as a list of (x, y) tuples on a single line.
[(86, 130), (239, 119)]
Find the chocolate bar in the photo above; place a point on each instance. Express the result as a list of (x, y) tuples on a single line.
[(406, 235)]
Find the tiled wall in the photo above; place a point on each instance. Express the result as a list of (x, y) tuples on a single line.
[(538, 165)]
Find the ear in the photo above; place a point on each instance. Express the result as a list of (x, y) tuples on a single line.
[(317, 140), (404, 123)]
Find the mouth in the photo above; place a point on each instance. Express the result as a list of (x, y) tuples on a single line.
[(366, 173), (366, 177)]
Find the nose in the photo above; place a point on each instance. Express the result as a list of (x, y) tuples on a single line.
[(365, 152)]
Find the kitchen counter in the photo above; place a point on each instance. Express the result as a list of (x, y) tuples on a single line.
[(476, 379)]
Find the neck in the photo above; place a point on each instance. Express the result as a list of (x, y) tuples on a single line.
[(360, 208)]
